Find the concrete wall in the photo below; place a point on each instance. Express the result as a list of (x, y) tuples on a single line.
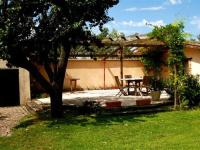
[(3, 64), (91, 73), (194, 63), (24, 86), (24, 83)]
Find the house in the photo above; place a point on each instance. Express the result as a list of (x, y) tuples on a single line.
[(100, 73), (192, 52)]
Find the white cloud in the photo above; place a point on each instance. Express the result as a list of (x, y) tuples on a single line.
[(195, 21), (142, 23), (131, 26), (174, 2), (145, 9)]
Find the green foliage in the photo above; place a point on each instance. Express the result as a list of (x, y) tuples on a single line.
[(104, 33), (152, 60), (173, 36), (36, 29), (94, 50), (116, 35), (157, 84), (169, 86), (188, 88), (43, 32)]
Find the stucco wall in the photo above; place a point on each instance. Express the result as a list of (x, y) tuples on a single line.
[(24, 83), (2, 64), (194, 63), (24, 86), (91, 73)]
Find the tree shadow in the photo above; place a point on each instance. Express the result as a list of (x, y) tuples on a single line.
[(2, 117), (76, 118)]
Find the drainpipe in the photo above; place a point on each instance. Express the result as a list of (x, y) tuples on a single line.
[(104, 74), (121, 64)]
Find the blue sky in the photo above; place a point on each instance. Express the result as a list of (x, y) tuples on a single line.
[(131, 16)]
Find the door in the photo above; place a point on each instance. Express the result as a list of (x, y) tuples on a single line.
[(9, 87)]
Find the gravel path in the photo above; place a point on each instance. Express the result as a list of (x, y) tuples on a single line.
[(9, 117)]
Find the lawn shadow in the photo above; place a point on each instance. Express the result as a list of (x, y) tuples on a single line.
[(75, 118), (3, 117)]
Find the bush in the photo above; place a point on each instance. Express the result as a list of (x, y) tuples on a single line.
[(157, 84), (188, 90)]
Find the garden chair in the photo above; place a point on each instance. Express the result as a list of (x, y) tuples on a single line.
[(121, 88), (145, 87), (128, 76)]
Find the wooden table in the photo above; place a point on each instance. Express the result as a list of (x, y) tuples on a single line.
[(136, 81)]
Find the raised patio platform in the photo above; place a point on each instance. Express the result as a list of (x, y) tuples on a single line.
[(78, 99)]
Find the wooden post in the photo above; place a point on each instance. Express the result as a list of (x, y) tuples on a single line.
[(104, 74), (175, 88), (121, 64)]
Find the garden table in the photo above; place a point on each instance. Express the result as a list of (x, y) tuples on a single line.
[(136, 83)]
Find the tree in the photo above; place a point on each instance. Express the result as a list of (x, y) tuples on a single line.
[(95, 51), (43, 32), (174, 37), (198, 37)]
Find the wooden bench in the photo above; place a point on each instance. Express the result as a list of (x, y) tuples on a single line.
[(73, 80)]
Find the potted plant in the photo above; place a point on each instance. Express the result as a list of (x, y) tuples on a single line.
[(157, 87)]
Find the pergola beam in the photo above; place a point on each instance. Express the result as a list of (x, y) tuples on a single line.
[(133, 43)]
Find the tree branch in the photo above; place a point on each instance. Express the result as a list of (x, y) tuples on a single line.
[(36, 74), (62, 64), (49, 71)]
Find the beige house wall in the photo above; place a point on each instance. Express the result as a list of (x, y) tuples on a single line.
[(194, 63), (91, 73)]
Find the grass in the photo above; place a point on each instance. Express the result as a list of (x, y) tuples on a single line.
[(167, 130)]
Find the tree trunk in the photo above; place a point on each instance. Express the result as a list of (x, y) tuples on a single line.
[(57, 84), (175, 87), (56, 103), (54, 86)]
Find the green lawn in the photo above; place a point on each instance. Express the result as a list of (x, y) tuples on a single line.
[(167, 130)]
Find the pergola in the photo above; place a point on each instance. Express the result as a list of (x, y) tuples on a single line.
[(122, 43), (137, 42)]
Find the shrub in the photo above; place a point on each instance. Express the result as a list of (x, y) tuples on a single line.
[(188, 90)]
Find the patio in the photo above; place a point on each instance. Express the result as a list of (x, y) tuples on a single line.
[(78, 98)]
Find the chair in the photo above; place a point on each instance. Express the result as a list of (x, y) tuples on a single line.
[(131, 84), (121, 88), (146, 85), (127, 76)]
